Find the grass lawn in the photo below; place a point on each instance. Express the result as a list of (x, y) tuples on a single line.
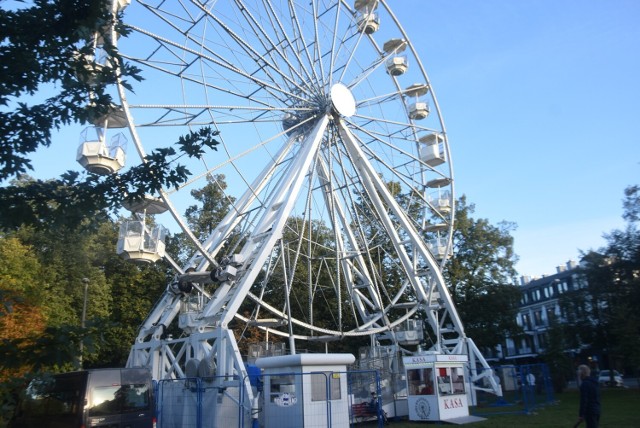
[(620, 409)]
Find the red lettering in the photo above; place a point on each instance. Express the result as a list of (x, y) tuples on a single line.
[(452, 403)]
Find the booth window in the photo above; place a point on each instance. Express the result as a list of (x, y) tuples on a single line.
[(420, 381), (319, 386), (281, 384), (450, 380)]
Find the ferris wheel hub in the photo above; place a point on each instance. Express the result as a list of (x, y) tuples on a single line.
[(342, 100)]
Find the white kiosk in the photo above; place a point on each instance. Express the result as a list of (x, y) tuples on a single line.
[(305, 390), (436, 388)]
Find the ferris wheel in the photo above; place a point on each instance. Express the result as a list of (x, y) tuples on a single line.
[(333, 169)]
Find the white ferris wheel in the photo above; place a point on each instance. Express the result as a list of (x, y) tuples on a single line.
[(333, 163)]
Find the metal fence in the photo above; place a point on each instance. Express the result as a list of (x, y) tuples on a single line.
[(524, 389), (289, 399), (201, 402)]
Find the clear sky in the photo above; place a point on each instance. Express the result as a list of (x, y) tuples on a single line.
[(541, 102)]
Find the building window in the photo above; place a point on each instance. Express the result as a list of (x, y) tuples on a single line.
[(526, 322), (538, 318), (550, 313)]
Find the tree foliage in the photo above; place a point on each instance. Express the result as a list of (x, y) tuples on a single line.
[(481, 275), (50, 80), (60, 262), (21, 312), (603, 314), (44, 49)]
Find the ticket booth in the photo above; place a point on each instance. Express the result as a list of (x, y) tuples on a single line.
[(305, 390), (436, 387)]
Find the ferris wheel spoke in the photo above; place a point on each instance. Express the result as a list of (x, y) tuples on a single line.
[(263, 178), (294, 46), (402, 126), (339, 220), (261, 36), (352, 53), (333, 48), (186, 114), (366, 72), (379, 193), (223, 64), (378, 99), (408, 160), (269, 68), (317, 48), (205, 83)]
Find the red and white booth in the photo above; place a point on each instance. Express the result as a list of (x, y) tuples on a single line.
[(436, 387)]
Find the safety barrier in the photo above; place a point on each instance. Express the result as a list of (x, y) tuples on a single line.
[(289, 399), (524, 389)]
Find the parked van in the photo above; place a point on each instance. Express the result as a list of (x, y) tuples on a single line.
[(116, 398)]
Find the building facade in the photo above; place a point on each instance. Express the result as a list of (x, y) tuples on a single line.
[(539, 304)]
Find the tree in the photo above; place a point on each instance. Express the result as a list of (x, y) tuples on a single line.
[(45, 86), (481, 275), (134, 291), (555, 355), (604, 313), (212, 204), (20, 312), (60, 66)]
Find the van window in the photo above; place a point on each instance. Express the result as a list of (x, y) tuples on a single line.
[(53, 396), (107, 400), (88, 398)]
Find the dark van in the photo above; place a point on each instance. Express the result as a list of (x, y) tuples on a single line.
[(114, 398)]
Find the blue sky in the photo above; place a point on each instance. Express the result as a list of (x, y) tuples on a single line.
[(540, 100)]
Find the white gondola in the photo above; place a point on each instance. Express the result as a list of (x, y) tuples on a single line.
[(367, 19), (121, 4), (117, 6), (435, 227), (115, 117), (438, 248), (417, 109), (368, 23), (409, 332), (438, 182), (432, 150), (98, 157), (91, 65), (396, 64), (138, 243), (441, 203), (146, 205)]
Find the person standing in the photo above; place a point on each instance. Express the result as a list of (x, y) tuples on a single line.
[(531, 382), (589, 398)]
